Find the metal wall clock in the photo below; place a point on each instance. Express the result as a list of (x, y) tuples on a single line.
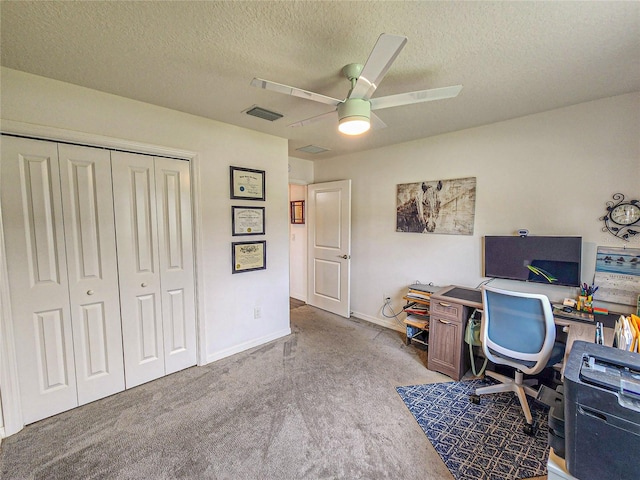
[(621, 216)]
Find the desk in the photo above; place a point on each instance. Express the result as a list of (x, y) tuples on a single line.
[(580, 331), (450, 309)]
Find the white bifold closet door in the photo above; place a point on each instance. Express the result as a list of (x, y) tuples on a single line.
[(62, 273), (90, 320), (155, 261), (87, 203)]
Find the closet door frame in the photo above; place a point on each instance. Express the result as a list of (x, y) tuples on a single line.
[(11, 409)]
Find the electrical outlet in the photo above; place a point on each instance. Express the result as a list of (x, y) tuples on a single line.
[(257, 312), (386, 298)]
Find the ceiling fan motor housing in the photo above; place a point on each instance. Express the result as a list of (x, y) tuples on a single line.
[(354, 107)]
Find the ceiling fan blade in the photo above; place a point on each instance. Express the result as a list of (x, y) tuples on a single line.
[(382, 56), (315, 119), (296, 92), (415, 97), (376, 122)]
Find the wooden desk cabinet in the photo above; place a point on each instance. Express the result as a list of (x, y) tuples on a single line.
[(447, 352)]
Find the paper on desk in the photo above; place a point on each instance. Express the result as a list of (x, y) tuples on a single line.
[(624, 334)]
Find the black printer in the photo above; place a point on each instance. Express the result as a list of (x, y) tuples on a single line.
[(602, 412)]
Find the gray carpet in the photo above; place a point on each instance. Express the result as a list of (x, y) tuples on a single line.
[(317, 404)]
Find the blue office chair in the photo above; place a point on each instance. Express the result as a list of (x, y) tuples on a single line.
[(518, 331)]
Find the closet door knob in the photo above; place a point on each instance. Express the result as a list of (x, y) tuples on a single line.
[(143, 284), (89, 292)]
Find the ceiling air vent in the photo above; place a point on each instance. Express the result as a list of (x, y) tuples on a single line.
[(263, 113), (312, 149)]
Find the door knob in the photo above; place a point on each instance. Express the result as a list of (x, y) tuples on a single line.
[(143, 284), (346, 257), (89, 292)]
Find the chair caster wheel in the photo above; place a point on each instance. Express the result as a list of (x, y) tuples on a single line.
[(528, 429), (473, 398)]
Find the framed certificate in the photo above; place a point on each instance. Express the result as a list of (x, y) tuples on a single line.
[(247, 220), (247, 184), (249, 256)]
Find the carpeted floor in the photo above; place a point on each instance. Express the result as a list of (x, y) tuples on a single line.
[(295, 303), (318, 404)]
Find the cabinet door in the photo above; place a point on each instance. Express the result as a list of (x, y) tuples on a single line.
[(138, 266), (37, 265), (173, 190), (87, 197), (444, 346)]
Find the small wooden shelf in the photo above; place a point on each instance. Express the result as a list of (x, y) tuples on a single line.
[(417, 323)]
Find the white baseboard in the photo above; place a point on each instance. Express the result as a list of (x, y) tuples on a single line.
[(212, 357), (383, 322)]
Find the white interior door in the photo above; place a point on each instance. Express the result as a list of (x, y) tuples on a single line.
[(138, 266), (329, 269), (36, 262), (87, 198), (173, 190)]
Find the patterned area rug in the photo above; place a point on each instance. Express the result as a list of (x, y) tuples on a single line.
[(485, 441)]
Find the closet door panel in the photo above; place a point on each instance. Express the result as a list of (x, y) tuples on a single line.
[(87, 195), (175, 242), (36, 261), (138, 266)]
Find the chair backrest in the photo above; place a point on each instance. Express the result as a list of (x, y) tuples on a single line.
[(517, 329)]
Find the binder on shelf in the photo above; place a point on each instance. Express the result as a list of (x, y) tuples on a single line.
[(417, 311), (418, 295), (422, 288)]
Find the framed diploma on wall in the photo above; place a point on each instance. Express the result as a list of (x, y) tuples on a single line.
[(247, 184), (247, 221), (249, 256)]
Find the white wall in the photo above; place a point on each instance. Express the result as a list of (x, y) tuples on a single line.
[(228, 300), (550, 173), (300, 171)]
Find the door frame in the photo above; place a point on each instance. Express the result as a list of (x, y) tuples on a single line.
[(10, 398), (305, 184)]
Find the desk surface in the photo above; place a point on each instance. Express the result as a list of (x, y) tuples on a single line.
[(576, 330), (470, 297)]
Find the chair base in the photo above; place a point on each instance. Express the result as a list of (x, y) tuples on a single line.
[(518, 385)]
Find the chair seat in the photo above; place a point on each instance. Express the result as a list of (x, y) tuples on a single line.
[(557, 354)]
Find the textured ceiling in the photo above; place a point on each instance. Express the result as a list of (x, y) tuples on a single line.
[(513, 58)]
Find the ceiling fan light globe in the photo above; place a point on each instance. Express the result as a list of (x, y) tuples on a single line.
[(354, 125)]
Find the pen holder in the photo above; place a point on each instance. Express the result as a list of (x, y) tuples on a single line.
[(585, 303)]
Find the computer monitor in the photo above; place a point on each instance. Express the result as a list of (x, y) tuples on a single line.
[(548, 260)]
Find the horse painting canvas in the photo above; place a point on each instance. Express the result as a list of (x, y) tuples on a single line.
[(438, 206)]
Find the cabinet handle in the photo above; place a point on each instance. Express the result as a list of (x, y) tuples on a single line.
[(143, 284), (444, 304), (443, 321), (89, 292)]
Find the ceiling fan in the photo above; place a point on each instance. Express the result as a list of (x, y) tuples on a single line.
[(355, 111)]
